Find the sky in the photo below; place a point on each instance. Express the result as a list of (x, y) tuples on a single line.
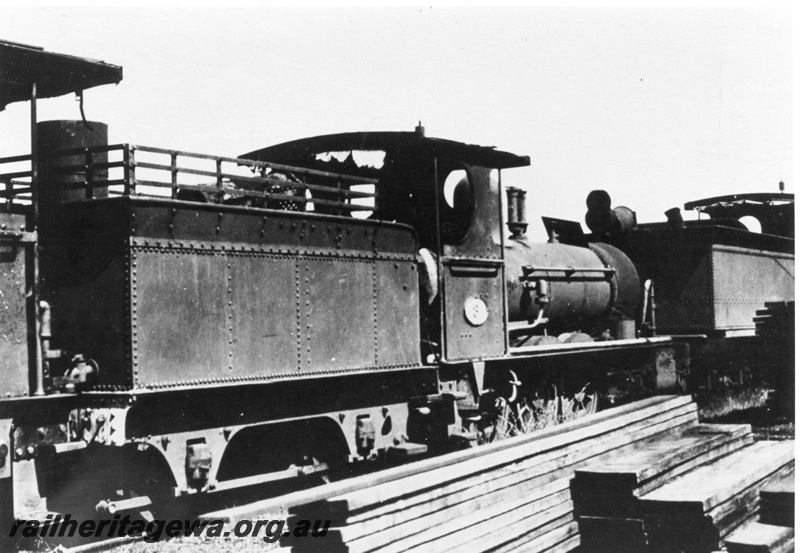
[(658, 106)]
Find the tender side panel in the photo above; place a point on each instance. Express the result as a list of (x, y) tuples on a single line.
[(337, 314), (164, 293), (744, 281), (180, 326), (710, 279), (13, 319), (261, 287), (682, 294), (397, 304)]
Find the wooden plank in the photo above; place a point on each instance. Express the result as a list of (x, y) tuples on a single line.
[(623, 503), (621, 535), (710, 485), (551, 540), (717, 522), (596, 424), (567, 546), (439, 512), (748, 498), (493, 533), (523, 533), (412, 523), (559, 466), (778, 516), (658, 461), (777, 501), (726, 448), (415, 534), (681, 529), (781, 490), (573, 449), (761, 538)]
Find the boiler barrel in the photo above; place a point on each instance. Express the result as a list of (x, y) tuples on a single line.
[(577, 287)]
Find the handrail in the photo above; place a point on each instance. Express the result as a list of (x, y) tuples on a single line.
[(134, 169)]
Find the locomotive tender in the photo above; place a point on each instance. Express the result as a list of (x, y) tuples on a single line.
[(179, 325)]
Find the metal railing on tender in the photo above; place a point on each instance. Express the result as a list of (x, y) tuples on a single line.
[(131, 170)]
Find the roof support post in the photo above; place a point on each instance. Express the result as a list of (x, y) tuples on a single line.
[(33, 298)]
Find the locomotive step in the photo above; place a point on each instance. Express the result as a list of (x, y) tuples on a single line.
[(761, 538), (635, 470)]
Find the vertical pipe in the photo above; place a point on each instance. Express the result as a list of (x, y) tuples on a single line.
[(89, 171), (439, 265), (35, 285), (506, 341)]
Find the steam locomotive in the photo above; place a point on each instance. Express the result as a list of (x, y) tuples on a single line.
[(177, 325)]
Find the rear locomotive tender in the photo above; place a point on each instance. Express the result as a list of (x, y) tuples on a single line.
[(725, 291), (175, 328)]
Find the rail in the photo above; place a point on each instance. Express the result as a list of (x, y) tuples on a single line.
[(133, 170)]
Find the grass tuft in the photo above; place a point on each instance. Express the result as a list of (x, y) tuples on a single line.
[(732, 400), (530, 416)]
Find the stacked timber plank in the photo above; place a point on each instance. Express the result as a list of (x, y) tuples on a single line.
[(685, 492), (504, 497), (774, 532), (649, 478), (607, 491), (761, 538), (777, 502)]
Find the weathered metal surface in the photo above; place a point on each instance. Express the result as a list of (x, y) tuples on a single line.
[(13, 317), (262, 330), (483, 239), (699, 272), (573, 288), (464, 283), (337, 321), (60, 174), (744, 281), (472, 267), (225, 294), (179, 317), (396, 290), (626, 284)]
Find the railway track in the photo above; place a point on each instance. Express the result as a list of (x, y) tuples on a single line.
[(642, 477)]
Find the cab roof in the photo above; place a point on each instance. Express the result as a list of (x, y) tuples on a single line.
[(301, 152)]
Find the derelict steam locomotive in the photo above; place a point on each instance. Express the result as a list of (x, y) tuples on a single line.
[(175, 324)]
